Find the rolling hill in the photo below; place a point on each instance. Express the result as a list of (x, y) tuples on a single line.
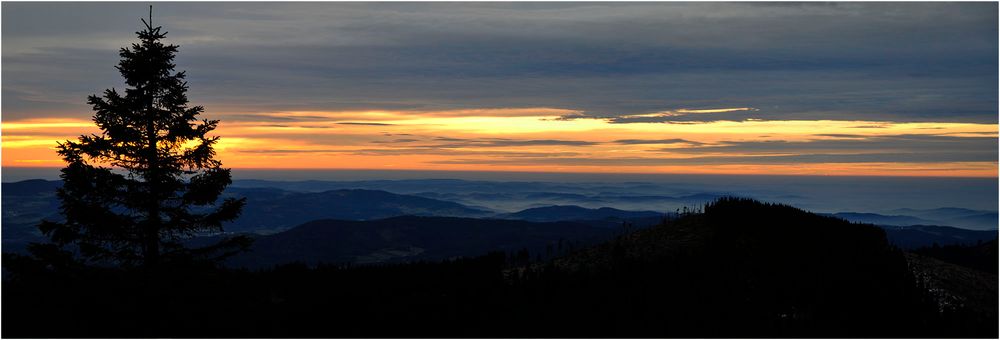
[(954, 217), (413, 238), (272, 210), (268, 210), (751, 269), (577, 213), (916, 236)]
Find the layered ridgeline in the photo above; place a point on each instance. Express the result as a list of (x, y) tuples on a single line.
[(578, 213), (273, 211), (957, 217), (268, 210), (835, 195), (740, 269)]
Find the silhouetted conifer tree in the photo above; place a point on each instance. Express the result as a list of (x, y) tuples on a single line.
[(132, 193)]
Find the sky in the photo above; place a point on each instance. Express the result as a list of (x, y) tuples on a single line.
[(849, 89)]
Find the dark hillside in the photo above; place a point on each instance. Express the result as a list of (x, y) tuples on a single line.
[(740, 269), (745, 268), (919, 236), (413, 238), (966, 297), (980, 256)]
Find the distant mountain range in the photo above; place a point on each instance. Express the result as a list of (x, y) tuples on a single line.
[(910, 232), (270, 210), (894, 220), (31, 187), (514, 196), (273, 210), (955, 217), (577, 213)]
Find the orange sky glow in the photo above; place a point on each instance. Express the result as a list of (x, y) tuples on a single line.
[(536, 140)]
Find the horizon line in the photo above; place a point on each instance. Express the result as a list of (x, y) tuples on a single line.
[(579, 173)]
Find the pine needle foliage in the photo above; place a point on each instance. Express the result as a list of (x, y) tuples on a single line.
[(149, 180)]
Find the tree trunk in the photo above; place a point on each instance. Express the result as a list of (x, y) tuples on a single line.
[(151, 245)]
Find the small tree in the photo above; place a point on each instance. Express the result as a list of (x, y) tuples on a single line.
[(131, 194)]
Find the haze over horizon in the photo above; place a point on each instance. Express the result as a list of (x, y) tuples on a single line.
[(845, 89)]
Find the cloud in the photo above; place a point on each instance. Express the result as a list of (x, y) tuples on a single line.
[(364, 123), (451, 152), (844, 148), (298, 126), (685, 115), (657, 141), (495, 112), (935, 157), (290, 151), (395, 141), (846, 61), (414, 151), (448, 143), (934, 147), (506, 142)]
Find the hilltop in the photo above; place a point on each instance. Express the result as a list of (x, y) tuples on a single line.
[(412, 239)]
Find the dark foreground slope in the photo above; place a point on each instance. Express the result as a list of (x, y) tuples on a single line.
[(745, 269), (919, 236), (980, 256), (413, 238), (741, 269)]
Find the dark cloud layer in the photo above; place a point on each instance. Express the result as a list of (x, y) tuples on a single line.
[(931, 145), (657, 141), (857, 61), (843, 149), (924, 157), (446, 143), (506, 142)]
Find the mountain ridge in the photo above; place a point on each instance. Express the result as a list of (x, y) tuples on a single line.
[(412, 238), (553, 213)]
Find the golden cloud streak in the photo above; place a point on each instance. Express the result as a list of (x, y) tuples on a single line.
[(426, 140), (48, 123), (681, 112), (696, 111)]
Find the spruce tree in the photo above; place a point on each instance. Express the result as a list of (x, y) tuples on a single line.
[(134, 192)]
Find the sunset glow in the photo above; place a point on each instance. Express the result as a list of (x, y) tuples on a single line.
[(720, 88), (543, 140)]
